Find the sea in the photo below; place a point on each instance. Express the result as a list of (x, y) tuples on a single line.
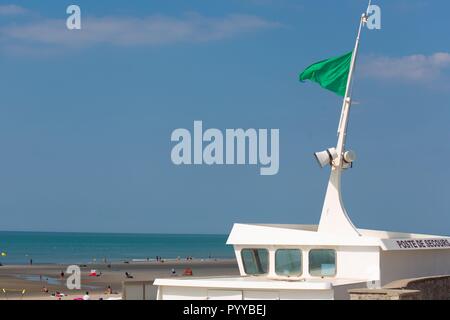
[(76, 248)]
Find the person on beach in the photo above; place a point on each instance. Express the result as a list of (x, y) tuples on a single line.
[(62, 275), (108, 290), (187, 272), (87, 296), (173, 272)]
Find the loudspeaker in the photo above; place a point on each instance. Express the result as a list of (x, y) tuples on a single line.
[(326, 157)]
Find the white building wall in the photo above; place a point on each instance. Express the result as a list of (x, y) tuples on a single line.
[(397, 265), (182, 293), (358, 263), (351, 262), (237, 252), (196, 293), (306, 294)]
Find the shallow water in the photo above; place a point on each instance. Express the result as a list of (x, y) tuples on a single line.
[(48, 280)]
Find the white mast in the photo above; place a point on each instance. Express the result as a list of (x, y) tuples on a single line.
[(334, 217)]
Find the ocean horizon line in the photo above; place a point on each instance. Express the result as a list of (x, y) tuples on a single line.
[(116, 232)]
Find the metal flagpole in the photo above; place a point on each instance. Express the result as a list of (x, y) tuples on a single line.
[(342, 128), (334, 217)]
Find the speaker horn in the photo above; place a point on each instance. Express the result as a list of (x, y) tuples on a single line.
[(326, 157)]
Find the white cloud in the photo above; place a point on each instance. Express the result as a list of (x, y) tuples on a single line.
[(11, 9), (416, 68), (128, 31)]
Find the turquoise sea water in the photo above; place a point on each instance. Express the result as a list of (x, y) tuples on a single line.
[(59, 247)]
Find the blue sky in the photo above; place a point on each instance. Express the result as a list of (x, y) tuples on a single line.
[(86, 118)]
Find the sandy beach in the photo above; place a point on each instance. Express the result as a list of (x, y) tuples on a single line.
[(32, 278)]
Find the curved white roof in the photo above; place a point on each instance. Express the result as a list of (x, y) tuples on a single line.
[(294, 235)]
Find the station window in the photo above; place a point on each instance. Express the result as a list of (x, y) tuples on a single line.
[(256, 261), (322, 262), (288, 262)]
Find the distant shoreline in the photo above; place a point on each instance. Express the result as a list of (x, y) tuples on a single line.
[(118, 262), (16, 278)]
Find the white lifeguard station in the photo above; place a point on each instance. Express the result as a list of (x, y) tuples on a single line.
[(318, 261)]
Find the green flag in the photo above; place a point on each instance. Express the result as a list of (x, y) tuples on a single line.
[(331, 74)]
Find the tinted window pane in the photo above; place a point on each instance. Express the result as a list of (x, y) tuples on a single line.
[(322, 262), (288, 262), (256, 261)]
